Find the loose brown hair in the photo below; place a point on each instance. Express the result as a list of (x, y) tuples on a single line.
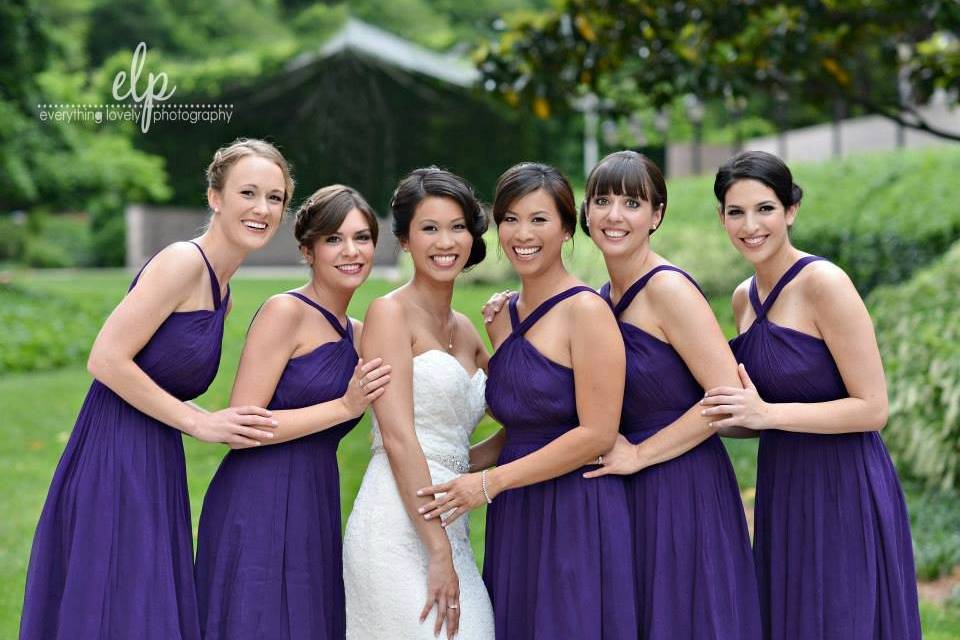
[(325, 210), (525, 178)]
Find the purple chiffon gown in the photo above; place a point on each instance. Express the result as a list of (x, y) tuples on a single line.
[(269, 563), (832, 537), (113, 552), (694, 570), (558, 561)]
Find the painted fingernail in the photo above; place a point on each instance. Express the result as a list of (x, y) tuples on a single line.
[(420, 510), (419, 493), (704, 412)]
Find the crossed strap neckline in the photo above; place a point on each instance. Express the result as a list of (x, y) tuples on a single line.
[(637, 286), (763, 308), (331, 318), (520, 327)]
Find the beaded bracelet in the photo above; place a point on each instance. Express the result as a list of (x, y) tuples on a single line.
[(483, 485)]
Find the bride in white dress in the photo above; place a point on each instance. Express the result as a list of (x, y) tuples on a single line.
[(406, 576)]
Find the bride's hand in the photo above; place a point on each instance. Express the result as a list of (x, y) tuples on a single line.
[(461, 495), (493, 306), (443, 590)]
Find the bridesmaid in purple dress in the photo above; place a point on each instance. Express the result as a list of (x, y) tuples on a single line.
[(694, 571), (832, 538), (558, 559), (269, 552), (113, 552)]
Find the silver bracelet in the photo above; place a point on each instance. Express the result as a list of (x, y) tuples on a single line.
[(483, 485)]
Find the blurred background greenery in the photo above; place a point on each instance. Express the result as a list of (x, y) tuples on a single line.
[(548, 78)]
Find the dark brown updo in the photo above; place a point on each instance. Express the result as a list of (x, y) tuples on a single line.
[(626, 173), (525, 178), (325, 210), (760, 166), (420, 184)]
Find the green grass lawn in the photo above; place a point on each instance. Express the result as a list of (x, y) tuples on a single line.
[(39, 410)]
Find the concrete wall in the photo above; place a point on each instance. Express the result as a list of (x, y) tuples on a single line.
[(150, 229), (822, 142)]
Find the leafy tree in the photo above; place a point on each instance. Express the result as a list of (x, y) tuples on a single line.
[(878, 56)]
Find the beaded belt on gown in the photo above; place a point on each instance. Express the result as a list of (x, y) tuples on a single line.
[(457, 464)]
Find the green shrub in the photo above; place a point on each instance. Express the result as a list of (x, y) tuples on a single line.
[(918, 329), (44, 331), (935, 524), (12, 239), (56, 241)]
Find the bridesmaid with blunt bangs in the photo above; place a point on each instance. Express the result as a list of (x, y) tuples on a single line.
[(558, 561), (832, 542), (113, 552), (694, 573)]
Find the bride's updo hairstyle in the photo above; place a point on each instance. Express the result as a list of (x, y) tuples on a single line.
[(439, 183), (760, 166)]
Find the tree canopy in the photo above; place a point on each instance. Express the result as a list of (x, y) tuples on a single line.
[(877, 56)]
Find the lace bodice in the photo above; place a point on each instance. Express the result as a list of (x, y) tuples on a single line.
[(447, 405)]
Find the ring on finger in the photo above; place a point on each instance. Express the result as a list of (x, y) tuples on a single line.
[(600, 460), (453, 606)]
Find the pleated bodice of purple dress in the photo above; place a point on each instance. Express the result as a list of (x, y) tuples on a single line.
[(269, 555), (113, 553), (558, 554), (694, 571), (832, 541)]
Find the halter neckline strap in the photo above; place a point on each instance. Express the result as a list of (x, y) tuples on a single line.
[(637, 286), (762, 308), (331, 318), (523, 326)]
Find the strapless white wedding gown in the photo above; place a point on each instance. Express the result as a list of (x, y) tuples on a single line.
[(384, 560)]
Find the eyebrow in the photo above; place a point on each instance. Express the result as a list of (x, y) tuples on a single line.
[(250, 184), (431, 220), (533, 213)]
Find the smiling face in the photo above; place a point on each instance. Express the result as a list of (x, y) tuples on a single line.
[(621, 225), (755, 219), (248, 209), (438, 240), (531, 233), (343, 260)]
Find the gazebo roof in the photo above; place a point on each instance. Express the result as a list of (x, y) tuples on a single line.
[(366, 40)]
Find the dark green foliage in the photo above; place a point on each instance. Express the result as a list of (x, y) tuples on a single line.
[(918, 329), (13, 237), (935, 522), (811, 55)]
